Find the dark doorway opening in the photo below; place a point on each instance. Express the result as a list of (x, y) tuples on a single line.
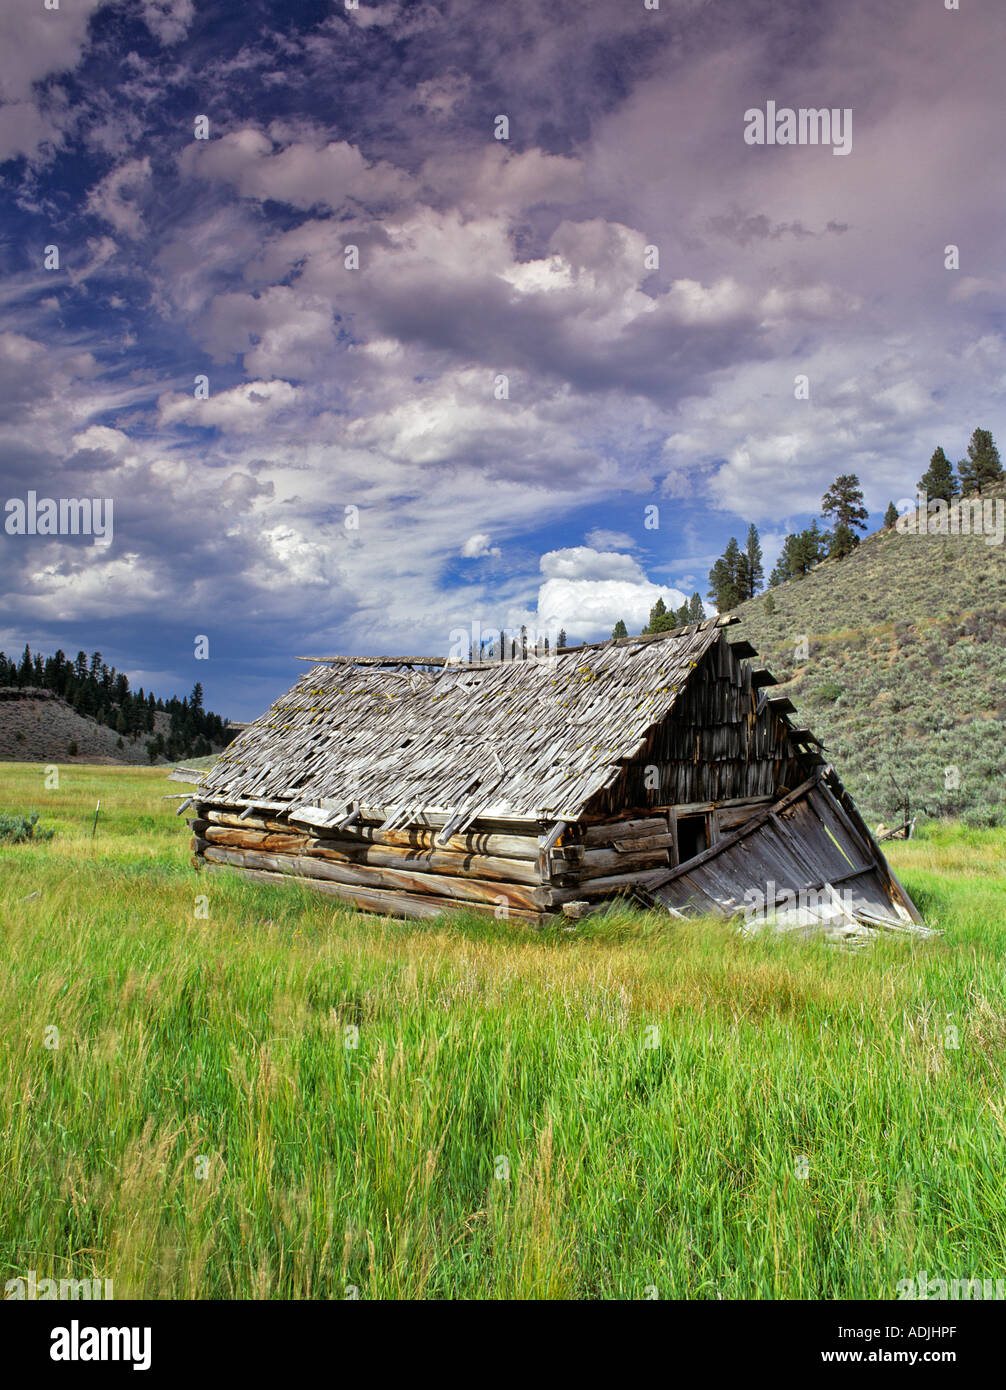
[(692, 837)]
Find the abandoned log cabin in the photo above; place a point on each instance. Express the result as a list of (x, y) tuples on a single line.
[(660, 767)]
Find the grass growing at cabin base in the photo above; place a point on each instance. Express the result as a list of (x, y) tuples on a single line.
[(217, 1047)]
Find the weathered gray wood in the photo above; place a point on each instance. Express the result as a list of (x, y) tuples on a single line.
[(194, 775), (531, 712), (474, 842), (640, 843), (604, 887), (370, 876), (377, 660), (552, 838), (362, 852), (609, 831), (382, 777), (382, 902), (747, 828), (602, 863), (732, 818)]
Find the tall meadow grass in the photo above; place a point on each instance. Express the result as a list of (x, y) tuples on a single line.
[(283, 1099)]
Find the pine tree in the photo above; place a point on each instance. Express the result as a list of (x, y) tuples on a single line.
[(735, 564), (660, 619), (782, 569), (561, 640), (938, 479), (728, 581), (96, 690), (696, 611), (620, 630), (843, 503), (890, 516), (842, 541), (754, 571), (811, 548), (982, 465), (801, 551)]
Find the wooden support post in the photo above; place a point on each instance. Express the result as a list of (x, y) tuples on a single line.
[(553, 836)]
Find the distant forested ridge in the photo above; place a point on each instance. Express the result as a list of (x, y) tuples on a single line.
[(97, 691)]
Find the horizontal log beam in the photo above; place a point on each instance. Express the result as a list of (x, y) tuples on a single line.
[(350, 851), (369, 876), (605, 863), (640, 843), (471, 842), (381, 902), (607, 887), (607, 832), (434, 819), (696, 808), (378, 660)]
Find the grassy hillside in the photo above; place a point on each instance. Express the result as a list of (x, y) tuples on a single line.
[(202, 1130), (906, 673)]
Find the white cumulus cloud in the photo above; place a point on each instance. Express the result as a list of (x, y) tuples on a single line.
[(478, 546)]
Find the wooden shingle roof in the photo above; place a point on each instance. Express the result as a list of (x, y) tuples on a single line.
[(514, 740)]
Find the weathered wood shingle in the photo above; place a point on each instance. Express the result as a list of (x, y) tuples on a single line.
[(534, 739)]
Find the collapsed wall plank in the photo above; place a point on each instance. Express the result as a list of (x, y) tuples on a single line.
[(381, 902), (366, 875)]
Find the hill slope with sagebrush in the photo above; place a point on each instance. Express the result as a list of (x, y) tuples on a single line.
[(906, 673), (37, 727)]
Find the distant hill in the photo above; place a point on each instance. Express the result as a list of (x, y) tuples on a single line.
[(906, 671), (38, 727), (53, 709)]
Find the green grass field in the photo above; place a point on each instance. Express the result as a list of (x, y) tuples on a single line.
[(202, 1129)]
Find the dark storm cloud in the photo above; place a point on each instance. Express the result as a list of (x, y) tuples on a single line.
[(332, 388)]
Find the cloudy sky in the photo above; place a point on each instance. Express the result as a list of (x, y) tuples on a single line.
[(563, 371)]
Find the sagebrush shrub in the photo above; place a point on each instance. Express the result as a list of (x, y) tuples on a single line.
[(16, 830)]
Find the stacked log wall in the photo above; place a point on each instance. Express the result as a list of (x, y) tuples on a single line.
[(400, 872), (405, 873), (605, 859)]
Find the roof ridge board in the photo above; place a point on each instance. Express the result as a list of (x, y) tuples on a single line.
[(644, 639), (640, 639)]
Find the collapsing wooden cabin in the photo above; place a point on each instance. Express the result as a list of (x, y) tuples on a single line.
[(656, 767)]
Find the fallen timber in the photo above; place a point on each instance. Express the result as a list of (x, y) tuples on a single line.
[(658, 768)]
